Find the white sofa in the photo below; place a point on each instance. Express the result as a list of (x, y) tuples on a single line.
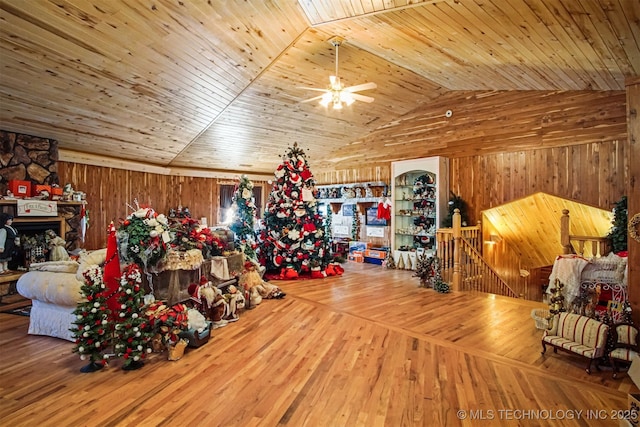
[(54, 289)]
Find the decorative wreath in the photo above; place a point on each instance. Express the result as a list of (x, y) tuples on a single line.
[(633, 227)]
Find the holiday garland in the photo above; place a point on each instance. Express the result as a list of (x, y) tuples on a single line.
[(92, 332), (633, 227)]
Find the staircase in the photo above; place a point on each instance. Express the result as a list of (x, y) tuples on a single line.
[(462, 263)]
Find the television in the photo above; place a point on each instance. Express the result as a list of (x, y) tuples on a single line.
[(372, 217)]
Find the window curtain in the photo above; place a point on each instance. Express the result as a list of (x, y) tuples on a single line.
[(257, 196), (226, 196)]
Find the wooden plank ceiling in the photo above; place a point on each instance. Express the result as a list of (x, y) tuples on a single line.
[(532, 225), (215, 85)]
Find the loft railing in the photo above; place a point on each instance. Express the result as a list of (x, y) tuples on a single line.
[(591, 246), (445, 247), (462, 263)]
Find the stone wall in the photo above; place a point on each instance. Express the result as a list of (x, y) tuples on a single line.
[(27, 158), (30, 158)]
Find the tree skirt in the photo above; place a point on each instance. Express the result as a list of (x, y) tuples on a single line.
[(333, 269)]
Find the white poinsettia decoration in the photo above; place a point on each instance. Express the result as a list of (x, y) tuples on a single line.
[(151, 222), (294, 234), (246, 193), (307, 195)]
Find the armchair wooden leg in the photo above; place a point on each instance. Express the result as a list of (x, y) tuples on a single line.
[(589, 366), (544, 347), (614, 367)]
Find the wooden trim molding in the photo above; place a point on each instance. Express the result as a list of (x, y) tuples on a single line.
[(110, 162)]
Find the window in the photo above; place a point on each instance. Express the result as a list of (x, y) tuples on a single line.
[(226, 200)]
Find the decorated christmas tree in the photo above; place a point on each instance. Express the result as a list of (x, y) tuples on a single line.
[(439, 285), (456, 202), (424, 269), (294, 235), (92, 334), (355, 226), (132, 334), (618, 232), (328, 219), (244, 218)]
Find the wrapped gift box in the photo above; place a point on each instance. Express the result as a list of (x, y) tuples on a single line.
[(56, 193), (356, 256), (20, 188), (39, 188), (375, 253)]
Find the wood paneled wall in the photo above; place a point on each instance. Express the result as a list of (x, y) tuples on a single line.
[(593, 173), (493, 122), (633, 190), (110, 191)]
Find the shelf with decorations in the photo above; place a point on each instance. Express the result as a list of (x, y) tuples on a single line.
[(355, 200), (419, 191), (359, 192)]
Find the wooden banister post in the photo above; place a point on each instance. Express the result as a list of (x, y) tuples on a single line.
[(457, 253), (565, 241)]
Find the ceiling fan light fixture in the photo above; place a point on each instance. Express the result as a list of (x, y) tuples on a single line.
[(336, 93), (326, 99), (346, 97)]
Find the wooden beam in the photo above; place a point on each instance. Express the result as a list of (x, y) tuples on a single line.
[(633, 191)]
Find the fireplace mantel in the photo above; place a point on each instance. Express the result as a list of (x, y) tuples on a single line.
[(69, 217)]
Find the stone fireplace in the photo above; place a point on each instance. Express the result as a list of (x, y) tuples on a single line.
[(34, 159)]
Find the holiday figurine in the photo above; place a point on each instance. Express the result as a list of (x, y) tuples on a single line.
[(213, 305), (258, 289), (236, 302), (57, 246), (9, 241)]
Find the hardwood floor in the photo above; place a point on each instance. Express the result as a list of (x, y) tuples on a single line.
[(366, 349)]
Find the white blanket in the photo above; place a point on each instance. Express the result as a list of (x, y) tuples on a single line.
[(568, 270)]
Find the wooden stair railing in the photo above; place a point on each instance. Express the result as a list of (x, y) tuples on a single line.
[(598, 246), (462, 263), (480, 276), (444, 247)]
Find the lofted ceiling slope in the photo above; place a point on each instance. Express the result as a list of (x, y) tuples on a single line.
[(532, 224), (215, 85)]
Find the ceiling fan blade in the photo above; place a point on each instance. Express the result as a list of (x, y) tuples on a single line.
[(363, 86), (312, 99), (312, 88), (362, 98)]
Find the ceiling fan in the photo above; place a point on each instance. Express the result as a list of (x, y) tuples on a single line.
[(336, 94)]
